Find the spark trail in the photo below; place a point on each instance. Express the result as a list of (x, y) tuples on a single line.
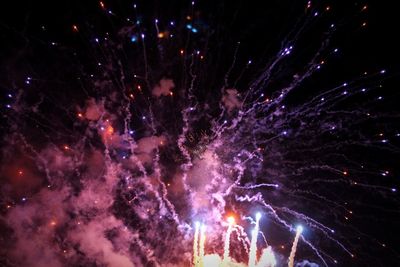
[(164, 122), (299, 230), (253, 244)]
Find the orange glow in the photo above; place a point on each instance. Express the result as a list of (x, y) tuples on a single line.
[(75, 28), (110, 129)]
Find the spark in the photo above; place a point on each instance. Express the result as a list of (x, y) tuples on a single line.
[(196, 245), (218, 170), (253, 244), (231, 221), (202, 244), (299, 230)]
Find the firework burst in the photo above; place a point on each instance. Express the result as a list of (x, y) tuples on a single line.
[(149, 135)]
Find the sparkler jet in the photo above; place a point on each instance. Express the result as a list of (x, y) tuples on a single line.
[(267, 258)]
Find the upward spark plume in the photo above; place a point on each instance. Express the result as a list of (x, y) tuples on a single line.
[(196, 245), (124, 125), (201, 245), (253, 244), (267, 258), (299, 230), (231, 221)]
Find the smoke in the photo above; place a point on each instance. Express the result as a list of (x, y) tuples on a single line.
[(94, 110), (34, 226), (231, 99), (92, 241), (146, 146), (163, 88), (118, 178), (61, 223)]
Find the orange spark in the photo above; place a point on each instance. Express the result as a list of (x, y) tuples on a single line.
[(110, 129)]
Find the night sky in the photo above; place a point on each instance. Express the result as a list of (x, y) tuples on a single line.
[(162, 133)]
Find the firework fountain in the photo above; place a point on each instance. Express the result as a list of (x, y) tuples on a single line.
[(147, 160), (267, 259)]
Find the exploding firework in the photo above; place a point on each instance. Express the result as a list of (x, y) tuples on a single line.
[(140, 134)]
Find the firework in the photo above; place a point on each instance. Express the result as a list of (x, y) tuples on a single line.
[(137, 136), (231, 221), (299, 230)]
